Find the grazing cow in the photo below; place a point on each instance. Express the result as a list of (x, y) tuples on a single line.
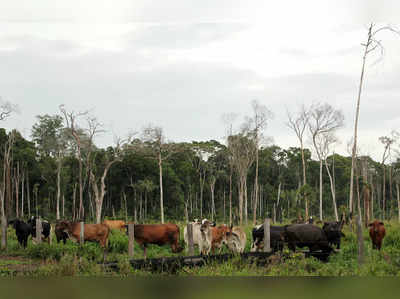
[(377, 233), (46, 228), (333, 231), (60, 233), (159, 234), (276, 242), (236, 239), (306, 235), (22, 230), (212, 237), (115, 224), (92, 232)]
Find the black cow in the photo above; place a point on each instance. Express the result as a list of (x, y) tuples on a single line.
[(275, 238), (60, 234), (46, 227), (333, 231), (306, 235), (22, 230)]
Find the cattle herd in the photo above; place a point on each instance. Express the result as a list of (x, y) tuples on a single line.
[(206, 235)]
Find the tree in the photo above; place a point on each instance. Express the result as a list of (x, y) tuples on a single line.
[(242, 148), (324, 119), (258, 122), (387, 142), (50, 137), (324, 142), (71, 119), (299, 124), (370, 46), (162, 150)]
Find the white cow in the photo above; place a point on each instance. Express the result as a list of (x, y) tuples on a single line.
[(236, 239)]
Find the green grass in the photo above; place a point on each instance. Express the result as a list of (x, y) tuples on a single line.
[(75, 260)]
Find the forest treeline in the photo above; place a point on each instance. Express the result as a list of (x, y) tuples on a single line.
[(61, 173)]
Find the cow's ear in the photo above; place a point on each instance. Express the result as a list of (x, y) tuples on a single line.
[(371, 224), (381, 223)]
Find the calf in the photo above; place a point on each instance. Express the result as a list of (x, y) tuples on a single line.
[(159, 234), (61, 235), (92, 232), (22, 230), (236, 239), (377, 233), (115, 224), (46, 229)]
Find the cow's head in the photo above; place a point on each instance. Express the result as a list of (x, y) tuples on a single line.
[(374, 226), (64, 226), (334, 227)]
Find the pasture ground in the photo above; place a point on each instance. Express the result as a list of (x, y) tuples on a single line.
[(60, 260)]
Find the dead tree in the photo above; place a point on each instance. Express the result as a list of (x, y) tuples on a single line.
[(371, 44), (299, 124), (324, 119)]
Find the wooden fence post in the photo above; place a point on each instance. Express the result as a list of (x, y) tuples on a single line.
[(360, 241), (82, 233), (190, 239), (131, 232), (38, 230), (267, 235), (3, 232)]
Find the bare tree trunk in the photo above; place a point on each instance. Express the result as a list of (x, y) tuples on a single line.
[(390, 192), (22, 193), (161, 187), (320, 190), (74, 216), (63, 206), (245, 200), (212, 189), (230, 198), (333, 192), (304, 175), (384, 193), (28, 194), (255, 185), (58, 188), (354, 149)]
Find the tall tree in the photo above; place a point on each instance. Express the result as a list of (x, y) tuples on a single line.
[(370, 46), (242, 148), (50, 137), (387, 142), (299, 124), (324, 119), (162, 150), (258, 122)]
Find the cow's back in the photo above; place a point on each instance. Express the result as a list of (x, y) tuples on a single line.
[(115, 224)]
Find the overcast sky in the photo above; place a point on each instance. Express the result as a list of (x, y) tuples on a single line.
[(182, 64)]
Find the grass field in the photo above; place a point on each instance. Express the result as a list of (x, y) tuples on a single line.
[(74, 260)]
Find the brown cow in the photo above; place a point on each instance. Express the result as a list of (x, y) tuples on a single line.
[(377, 233), (115, 224), (92, 232), (159, 234)]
